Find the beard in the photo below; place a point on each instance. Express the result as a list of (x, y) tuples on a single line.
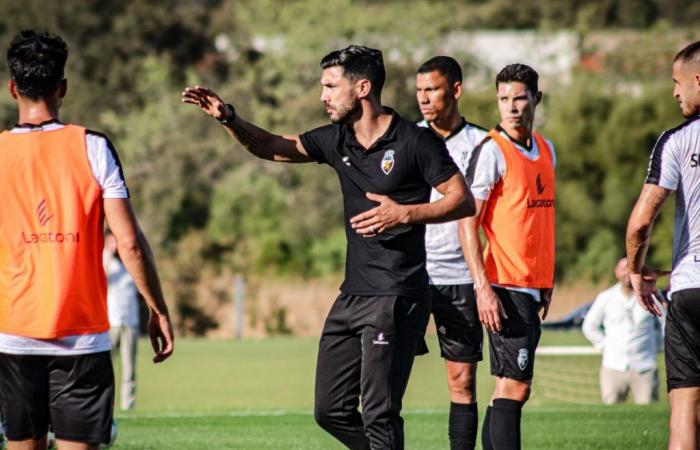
[(347, 113)]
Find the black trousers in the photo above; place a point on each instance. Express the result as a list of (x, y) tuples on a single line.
[(366, 351)]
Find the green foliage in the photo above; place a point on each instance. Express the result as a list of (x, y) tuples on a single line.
[(603, 139), (208, 207)]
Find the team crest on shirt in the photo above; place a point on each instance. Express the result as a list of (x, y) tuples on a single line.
[(388, 162), (522, 358)]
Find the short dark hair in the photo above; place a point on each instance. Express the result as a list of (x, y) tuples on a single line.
[(357, 62), (689, 54), (521, 73), (37, 61), (445, 65)]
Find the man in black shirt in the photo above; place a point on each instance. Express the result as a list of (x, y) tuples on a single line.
[(386, 166)]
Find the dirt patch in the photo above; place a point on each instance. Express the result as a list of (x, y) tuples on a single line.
[(288, 306)]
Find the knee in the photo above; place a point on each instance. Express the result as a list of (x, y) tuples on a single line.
[(513, 389), (462, 385), (326, 416), (322, 415)]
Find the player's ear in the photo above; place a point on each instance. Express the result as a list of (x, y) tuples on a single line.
[(538, 97), (363, 88), (12, 87), (457, 89), (63, 88)]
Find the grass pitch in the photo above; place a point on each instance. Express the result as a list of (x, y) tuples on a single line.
[(215, 395)]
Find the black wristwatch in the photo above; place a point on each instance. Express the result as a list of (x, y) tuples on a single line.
[(228, 116)]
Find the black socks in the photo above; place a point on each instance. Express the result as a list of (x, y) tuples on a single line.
[(464, 421), (501, 429)]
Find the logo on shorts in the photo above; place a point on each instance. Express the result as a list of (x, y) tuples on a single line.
[(388, 162), (522, 358), (380, 340)]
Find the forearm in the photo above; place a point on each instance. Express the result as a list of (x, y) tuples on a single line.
[(473, 251), (640, 223), (452, 206), (256, 140), (637, 244), (591, 329), (138, 259)]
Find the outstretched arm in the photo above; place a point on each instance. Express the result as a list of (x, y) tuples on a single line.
[(138, 259), (457, 202), (639, 229), (259, 142)]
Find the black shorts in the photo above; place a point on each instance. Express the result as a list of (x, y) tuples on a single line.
[(682, 340), (512, 349), (457, 321), (75, 394)]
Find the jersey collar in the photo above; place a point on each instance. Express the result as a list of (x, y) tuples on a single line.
[(38, 125), (500, 129), (388, 136)]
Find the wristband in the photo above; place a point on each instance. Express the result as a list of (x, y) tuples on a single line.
[(229, 115)]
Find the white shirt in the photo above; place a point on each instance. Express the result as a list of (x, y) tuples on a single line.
[(675, 165), (106, 169), (490, 167), (629, 337), (122, 295), (445, 261)]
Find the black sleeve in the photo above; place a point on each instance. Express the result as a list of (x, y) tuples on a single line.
[(433, 159), (320, 142)]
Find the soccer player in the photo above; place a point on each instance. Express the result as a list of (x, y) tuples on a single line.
[(674, 168), (438, 89), (59, 183), (513, 185), (386, 166)]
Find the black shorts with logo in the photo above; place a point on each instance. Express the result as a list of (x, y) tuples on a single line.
[(75, 394), (457, 321), (512, 349), (682, 340)]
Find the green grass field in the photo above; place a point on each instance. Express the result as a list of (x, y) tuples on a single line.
[(259, 395)]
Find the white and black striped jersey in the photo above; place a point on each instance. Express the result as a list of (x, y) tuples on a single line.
[(445, 261), (675, 165)]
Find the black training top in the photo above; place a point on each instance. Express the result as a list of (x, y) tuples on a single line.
[(403, 164)]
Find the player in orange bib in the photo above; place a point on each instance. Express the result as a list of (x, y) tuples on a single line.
[(513, 184), (59, 183)]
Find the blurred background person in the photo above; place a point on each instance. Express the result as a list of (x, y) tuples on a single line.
[(630, 339), (123, 309)]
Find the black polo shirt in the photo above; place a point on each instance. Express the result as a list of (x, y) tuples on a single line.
[(403, 164)]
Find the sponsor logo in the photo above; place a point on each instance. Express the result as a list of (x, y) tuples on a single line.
[(50, 238), (42, 213), (540, 186), (695, 160), (522, 358), (380, 340), (541, 203), (346, 160), (388, 162)]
